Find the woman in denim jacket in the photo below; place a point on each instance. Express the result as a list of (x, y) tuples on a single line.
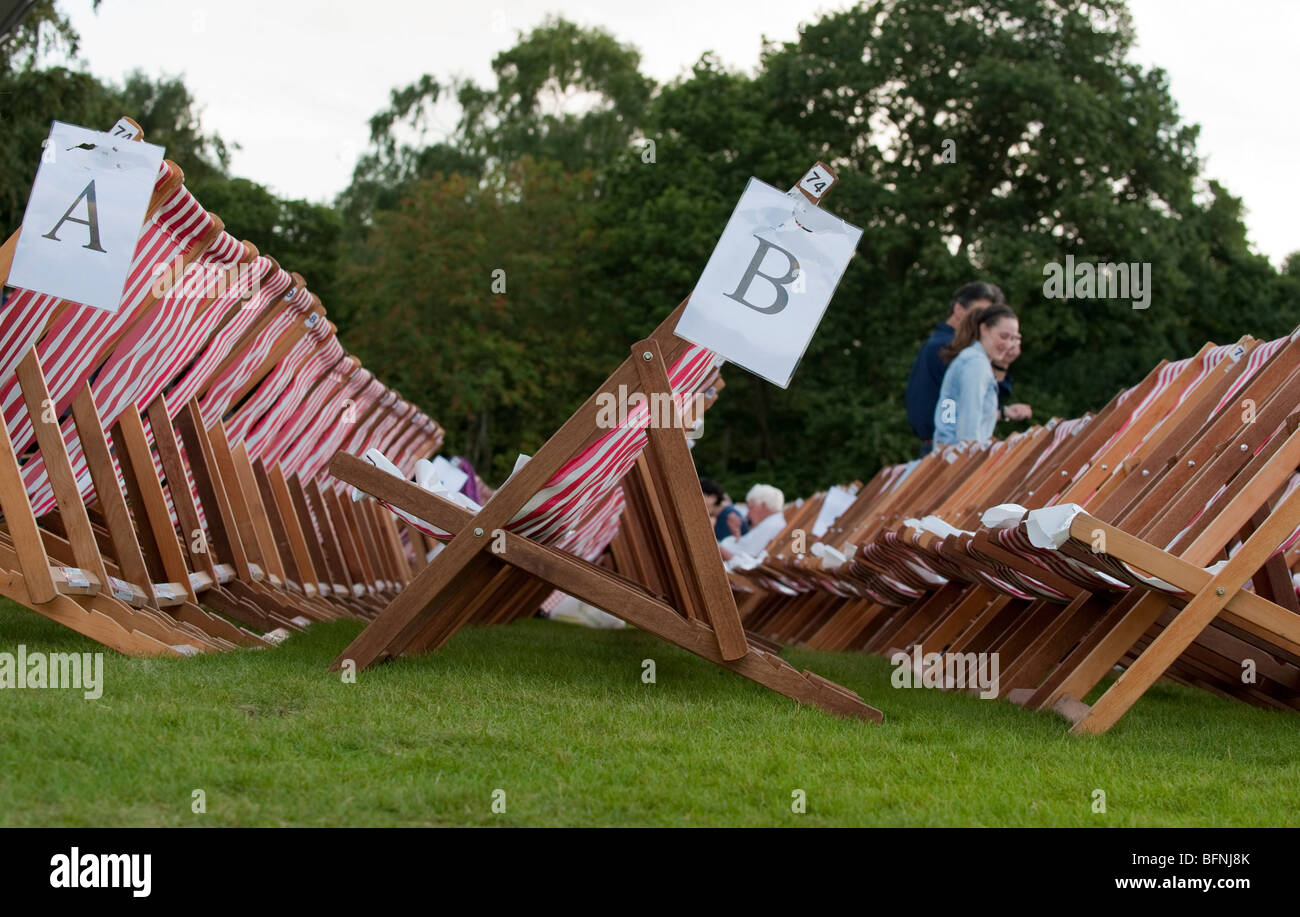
[(968, 398)]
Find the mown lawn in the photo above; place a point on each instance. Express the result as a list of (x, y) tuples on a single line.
[(559, 718)]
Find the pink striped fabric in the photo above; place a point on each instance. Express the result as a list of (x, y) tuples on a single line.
[(218, 399), (308, 353), (323, 426), (151, 354), (590, 539), (69, 350), (24, 315), (1063, 431), (196, 376), (1254, 363), (588, 478), (326, 445), (301, 416), (363, 438)]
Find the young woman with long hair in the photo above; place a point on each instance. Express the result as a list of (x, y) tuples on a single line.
[(968, 398)]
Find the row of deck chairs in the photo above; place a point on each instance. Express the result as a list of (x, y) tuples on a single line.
[(1161, 535), (162, 467)]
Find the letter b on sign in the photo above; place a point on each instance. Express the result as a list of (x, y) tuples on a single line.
[(779, 283), (774, 246)]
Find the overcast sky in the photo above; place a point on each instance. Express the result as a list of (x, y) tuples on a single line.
[(293, 82)]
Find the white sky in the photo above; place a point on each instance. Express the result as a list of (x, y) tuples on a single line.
[(294, 82)]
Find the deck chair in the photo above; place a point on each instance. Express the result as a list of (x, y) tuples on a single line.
[(577, 468), (535, 508), (1060, 630), (76, 340), (1199, 473), (954, 483), (1164, 576)]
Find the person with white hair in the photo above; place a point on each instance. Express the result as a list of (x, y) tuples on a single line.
[(766, 520)]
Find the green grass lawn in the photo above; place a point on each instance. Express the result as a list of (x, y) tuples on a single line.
[(558, 717)]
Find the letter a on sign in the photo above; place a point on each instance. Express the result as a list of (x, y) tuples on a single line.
[(769, 279), (84, 215)]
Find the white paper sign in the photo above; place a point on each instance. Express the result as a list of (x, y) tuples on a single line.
[(84, 215), (768, 281)]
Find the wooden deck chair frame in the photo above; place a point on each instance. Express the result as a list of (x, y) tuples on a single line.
[(451, 588)]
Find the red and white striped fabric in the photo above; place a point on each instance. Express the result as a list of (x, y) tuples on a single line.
[(363, 438), (218, 399), (1016, 539), (409, 446), (270, 290), (24, 315), (70, 349), (1254, 363), (589, 476), (1063, 431), (153, 352), (335, 413), (590, 538), (405, 436), (347, 418), (303, 416), (309, 354)]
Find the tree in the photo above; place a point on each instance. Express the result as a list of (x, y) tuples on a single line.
[(564, 93), (471, 299), (300, 235)]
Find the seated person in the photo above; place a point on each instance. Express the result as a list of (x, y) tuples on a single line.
[(726, 518), (766, 521)]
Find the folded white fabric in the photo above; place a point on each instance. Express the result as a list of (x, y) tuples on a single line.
[(380, 461), (1049, 527), (831, 558), (1003, 516), (837, 500), (573, 611), (935, 526), (739, 559), (928, 576), (453, 478), (427, 475)]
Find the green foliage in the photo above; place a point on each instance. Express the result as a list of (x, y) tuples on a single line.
[(563, 93), (169, 116), (472, 297)]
